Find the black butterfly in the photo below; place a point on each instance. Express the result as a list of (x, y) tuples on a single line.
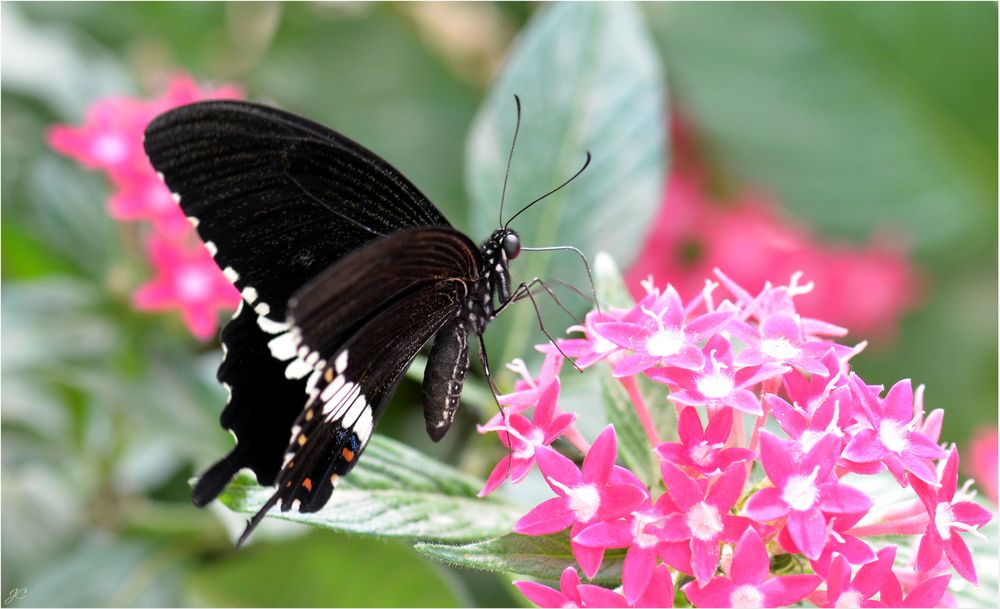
[(346, 270)]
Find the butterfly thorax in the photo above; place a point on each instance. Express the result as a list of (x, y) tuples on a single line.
[(493, 288)]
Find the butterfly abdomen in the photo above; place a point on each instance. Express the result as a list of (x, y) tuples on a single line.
[(444, 377)]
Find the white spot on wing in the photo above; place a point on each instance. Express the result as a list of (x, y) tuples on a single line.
[(249, 294), (331, 389), (360, 405), (262, 309), (282, 347), (273, 327), (176, 197), (297, 369), (194, 221), (211, 248), (229, 391), (341, 362), (229, 272), (364, 426)]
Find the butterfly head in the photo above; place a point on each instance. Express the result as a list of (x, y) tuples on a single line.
[(506, 242)]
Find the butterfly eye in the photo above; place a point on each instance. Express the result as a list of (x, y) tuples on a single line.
[(511, 245)]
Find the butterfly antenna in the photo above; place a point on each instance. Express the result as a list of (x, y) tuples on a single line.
[(256, 520), (551, 192), (510, 155)]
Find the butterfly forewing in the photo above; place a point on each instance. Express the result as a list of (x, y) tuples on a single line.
[(277, 198)]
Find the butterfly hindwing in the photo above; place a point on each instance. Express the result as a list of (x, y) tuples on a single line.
[(357, 328)]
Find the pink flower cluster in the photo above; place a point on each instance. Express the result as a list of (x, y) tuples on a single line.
[(110, 140), (742, 515), (865, 288)]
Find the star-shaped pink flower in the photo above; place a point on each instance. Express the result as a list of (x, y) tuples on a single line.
[(948, 519), (892, 437), (584, 496), (187, 279), (703, 450), (719, 382), (843, 591), (703, 515), (802, 491), (523, 437), (749, 583), (779, 339), (662, 336), (927, 594), (594, 346)]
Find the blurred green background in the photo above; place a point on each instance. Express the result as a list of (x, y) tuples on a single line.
[(857, 115)]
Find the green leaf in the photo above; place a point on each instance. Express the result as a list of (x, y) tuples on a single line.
[(609, 283), (633, 445), (394, 492), (588, 79), (541, 557), (322, 571)]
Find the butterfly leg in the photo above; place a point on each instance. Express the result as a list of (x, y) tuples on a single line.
[(524, 290)]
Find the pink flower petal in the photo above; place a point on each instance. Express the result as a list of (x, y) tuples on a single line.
[(927, 594), (719, 426), (716, 593), (746, 401), (568, 582), (616, 534), (775, 458), (790, 420), (637, 571), (786, 590), (838, 578), (689, 427), (971, 513), (750, 561), (872, 576), (596, 596), (898, 403), (600, 460), (930, 549), (558, 468), (949, 475), (842, 499), (547, 517), (864, 447), (684, 491), (960, 557), (543, 596), (727, 487), (808, 529), (704, 559), (618, 500), (659, 592), (766, 504)]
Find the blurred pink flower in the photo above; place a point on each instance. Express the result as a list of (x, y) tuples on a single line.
[(981, 460), (110, 140), (947, 519), (189, 280), (749, 583), (866, 288)]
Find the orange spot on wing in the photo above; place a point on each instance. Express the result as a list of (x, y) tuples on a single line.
[(309, 414), (347, 454), (302, 439), (329, 375), (308, 483)]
